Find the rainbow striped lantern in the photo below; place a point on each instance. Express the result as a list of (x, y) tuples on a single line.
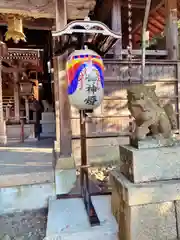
[(85, 73)]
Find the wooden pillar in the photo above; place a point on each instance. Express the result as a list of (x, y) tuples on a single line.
[(16, 97), (7, 113), (16, 102), (117, 27), (27, 109), (65, 136), (3, 136), (56, 101), (172, 29)]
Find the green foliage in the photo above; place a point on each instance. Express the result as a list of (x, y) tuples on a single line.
[(178, 24), (161, 35), (155, 39)]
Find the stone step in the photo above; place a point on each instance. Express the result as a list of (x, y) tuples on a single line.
[(48, 134), (20, 179), (25, 197), (25, 164), (67, 220), (17, 140)]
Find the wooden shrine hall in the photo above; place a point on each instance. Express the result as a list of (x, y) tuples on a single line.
[(28, 64)]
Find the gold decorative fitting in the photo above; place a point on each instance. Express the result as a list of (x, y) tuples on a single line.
[(15, 29)]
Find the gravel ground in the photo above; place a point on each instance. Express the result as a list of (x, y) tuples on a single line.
[(23, 225)]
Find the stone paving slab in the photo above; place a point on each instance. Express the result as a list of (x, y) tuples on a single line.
[(67, 220), (25, 197), (26, 163), (24, 160)]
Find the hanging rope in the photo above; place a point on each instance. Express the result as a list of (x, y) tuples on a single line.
[(129, 49)]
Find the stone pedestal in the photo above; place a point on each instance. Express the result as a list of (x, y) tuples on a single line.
[(48, 124), (143, 165), (146, 192), (65, 174), (148, 211)]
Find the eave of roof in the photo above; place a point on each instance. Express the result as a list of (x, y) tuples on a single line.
[(46, 8)]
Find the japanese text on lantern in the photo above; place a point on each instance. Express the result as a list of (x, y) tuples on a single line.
[(91, 87)]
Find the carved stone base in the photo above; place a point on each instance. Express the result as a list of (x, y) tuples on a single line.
[(65, 174), (143, 165), (150, 142), (147, 211)]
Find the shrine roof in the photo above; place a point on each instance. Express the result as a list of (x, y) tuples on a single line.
[(156, 20), (46, 8)]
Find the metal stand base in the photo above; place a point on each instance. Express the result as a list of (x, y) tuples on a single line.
[(84, 178)]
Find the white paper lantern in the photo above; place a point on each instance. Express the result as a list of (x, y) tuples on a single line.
[(85, 74)]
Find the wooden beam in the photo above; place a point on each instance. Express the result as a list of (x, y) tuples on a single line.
[(138, 6), (117, 26), (104, 10), (172, 43), (60, 83), (3, 136), (45, 9), (37, 24), (148, 52), (178, 8), (144, 29), (11, 69), (61, 14)]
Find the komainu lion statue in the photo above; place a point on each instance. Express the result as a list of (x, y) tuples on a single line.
[(151, 118)]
